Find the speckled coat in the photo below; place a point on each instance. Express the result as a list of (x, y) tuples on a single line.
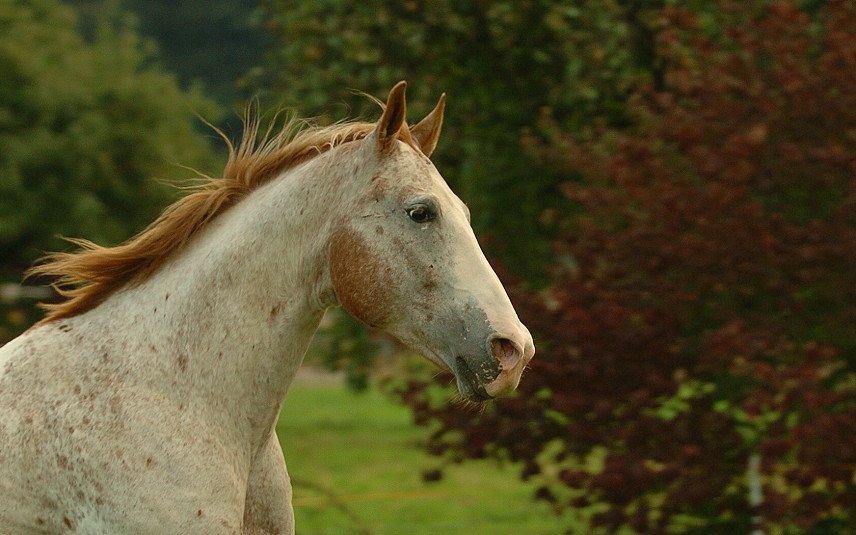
[(150, 407)]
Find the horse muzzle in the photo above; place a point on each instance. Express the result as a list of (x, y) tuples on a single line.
[(497, 371)]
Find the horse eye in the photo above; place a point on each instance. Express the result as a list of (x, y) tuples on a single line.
[(420, 213)]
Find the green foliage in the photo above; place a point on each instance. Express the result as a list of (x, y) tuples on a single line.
[(343, 343), (704, 314), (503, 63), (212, 43), (86, 132)]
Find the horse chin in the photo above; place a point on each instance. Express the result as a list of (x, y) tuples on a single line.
[(469, 384)]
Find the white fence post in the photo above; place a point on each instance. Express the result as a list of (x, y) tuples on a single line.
[(756, 497), (11, 292)]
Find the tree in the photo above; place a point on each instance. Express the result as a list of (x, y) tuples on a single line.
[(214, 43), (699, 319), (502, 62), (85, 132)]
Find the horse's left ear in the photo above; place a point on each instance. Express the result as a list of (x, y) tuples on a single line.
[(427, 132), (393, 117)]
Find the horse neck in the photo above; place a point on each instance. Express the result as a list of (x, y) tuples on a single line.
[(227, 322)]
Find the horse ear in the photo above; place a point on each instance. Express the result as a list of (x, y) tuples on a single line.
[(427, 132), (393, 117)]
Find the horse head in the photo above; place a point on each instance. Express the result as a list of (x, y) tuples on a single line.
[(403, 258)]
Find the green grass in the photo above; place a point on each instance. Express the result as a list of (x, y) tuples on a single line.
[(356, 468)]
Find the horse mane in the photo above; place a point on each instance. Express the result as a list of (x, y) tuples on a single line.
[(85, 278)]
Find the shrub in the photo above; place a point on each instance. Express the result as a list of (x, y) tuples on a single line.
[(700, 311)]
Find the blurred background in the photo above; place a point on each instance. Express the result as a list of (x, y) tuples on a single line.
[(668, 190)]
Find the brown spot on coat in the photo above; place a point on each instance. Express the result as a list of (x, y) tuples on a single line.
[(361, 279), (182, 362)]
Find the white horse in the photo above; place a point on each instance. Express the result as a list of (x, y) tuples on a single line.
[(146, 402)]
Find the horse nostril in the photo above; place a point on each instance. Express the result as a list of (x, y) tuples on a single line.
[(505, 352)]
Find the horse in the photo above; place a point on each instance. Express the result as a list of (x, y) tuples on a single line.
[(146, 399)]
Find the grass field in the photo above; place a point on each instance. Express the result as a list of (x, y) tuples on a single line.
[(356, 469)]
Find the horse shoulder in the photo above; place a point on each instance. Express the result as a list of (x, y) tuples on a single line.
[(119, 454)]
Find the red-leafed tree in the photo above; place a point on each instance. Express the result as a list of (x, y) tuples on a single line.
[(698, 337)]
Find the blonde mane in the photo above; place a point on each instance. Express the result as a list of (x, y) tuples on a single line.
[(86, 278)]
